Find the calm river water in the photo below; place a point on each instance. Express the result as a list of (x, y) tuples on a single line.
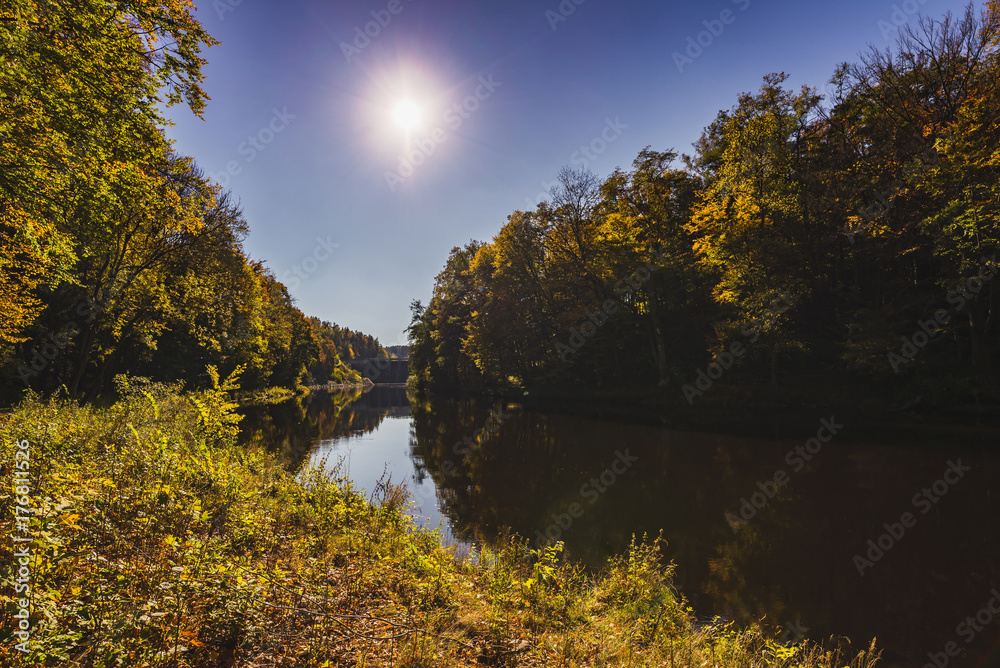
[(760, 528)]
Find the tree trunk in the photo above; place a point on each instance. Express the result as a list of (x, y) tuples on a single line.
[(99, 382), (85, 343), (982, 362), (774, 365), (661, 346)]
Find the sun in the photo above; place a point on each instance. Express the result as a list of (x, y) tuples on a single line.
[(407, 115)]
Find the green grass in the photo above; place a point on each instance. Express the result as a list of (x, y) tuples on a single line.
[(159, 542)]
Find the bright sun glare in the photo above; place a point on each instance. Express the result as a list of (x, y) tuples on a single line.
[(407, 115)]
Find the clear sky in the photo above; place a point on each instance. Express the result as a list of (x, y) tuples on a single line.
[(302, 123)]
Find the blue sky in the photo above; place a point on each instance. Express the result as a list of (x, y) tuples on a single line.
[(357, 215)]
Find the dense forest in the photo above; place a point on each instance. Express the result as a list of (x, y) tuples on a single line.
[(116, 254), (336, 344), (813, 240), (348, 344)]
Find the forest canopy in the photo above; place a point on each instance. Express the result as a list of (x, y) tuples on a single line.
[(854, 235)]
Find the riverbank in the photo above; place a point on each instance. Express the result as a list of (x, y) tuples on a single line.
[(158, 541), (363, 384), (279, 395)]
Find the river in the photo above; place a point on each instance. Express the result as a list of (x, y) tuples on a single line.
[(816, 531)]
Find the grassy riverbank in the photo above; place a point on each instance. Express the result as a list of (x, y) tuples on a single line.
[(279, 395), (160, 542)]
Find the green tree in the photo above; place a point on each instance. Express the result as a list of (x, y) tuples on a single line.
[(79, 90)]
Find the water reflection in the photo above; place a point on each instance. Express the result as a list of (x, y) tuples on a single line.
[(792, 564), (486, 468), (365, 435), (295, 427)]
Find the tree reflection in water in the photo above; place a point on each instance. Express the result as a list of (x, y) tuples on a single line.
[(790, 565), (294, 428)]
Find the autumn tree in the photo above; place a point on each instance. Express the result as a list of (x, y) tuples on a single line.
[(749, 218), (79, 91)]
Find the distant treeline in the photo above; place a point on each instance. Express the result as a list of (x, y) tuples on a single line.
[(854, 236), (401, 352), (116, 254), (339, 343)]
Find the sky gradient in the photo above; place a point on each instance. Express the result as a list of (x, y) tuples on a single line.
[(357, 216)]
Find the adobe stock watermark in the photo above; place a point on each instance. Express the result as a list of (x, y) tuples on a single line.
[(923, 501), (796, 458), (254, 145), (725, 360), (585, 155), (967, 630), (309, 265), (59, 341), (590, 491), (543, 194), (223, 7), (21, 568), (454, 117), (588, 153), (794, 632), (363, 35), (932, 328), (596, 319), (697, 44), (901, 15), (565, 9)]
